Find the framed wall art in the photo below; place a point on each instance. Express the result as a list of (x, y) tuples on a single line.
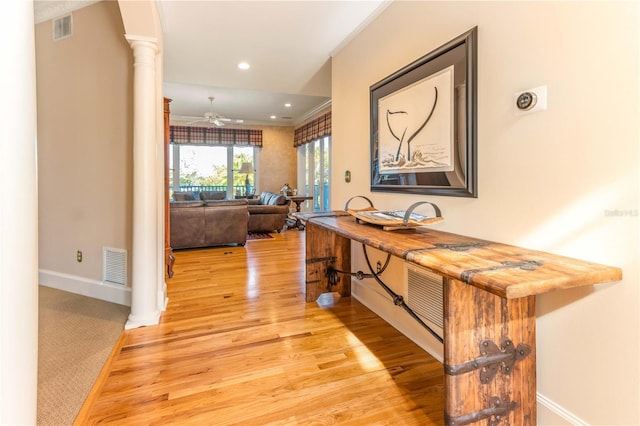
[(423, 124)]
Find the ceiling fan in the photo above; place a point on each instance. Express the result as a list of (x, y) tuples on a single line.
[(212, 117)]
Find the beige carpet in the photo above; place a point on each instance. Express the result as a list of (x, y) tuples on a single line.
[(76, 335)]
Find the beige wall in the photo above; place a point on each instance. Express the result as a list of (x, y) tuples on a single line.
[(276, 163), (547, 180), (84, 90)]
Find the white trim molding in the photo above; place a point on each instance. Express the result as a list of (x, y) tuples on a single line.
[(85, 286), (383, 306), (560, 413)]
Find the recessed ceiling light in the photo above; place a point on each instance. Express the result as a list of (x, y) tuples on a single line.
[(244, 66), (273, 117), (287, 105), (239, 121)]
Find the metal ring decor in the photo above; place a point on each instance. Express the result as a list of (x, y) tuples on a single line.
[(407, 214), (346, 206)]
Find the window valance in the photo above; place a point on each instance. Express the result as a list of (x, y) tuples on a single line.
[(312, 130), (191, 135)]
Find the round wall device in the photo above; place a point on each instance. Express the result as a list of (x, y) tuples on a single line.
[(526, 101)]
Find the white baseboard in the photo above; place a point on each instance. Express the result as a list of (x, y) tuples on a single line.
[(552, 414), (380, 303), (549, 413), (149, 318), (86, 287)]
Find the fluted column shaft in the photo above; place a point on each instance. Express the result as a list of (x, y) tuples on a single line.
[(144, 307)]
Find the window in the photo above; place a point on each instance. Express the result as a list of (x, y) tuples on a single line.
[(210, 168), (243, 184), (313, 140), (314, 171)]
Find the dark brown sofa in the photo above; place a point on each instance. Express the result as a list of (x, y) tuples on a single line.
[(268, 212), (208, 223)]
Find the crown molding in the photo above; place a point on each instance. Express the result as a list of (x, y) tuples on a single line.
[(313, 112), (381, 7), (43, 10)]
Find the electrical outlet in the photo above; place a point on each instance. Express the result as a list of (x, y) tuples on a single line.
[(79, 256)]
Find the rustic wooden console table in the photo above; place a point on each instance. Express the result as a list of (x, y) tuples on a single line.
[(489, 306)]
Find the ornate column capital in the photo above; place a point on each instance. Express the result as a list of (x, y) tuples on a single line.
[(137, 39), (142, 45)]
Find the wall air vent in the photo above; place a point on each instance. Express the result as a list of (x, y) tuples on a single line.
[(425, 296), (114, 266), (62, 27)]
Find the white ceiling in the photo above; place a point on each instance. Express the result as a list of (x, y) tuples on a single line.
[(288, 44)]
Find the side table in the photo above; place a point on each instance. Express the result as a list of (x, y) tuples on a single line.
[(298, 200)]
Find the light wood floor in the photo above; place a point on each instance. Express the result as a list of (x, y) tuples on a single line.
[(238, 344)]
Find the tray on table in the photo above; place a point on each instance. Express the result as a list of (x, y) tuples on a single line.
[(391, 220)]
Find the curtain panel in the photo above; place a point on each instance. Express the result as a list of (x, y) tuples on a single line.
[(312, 130), (219, 136)]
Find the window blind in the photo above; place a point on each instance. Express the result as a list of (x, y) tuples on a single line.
[(219, 136), (312, 130)]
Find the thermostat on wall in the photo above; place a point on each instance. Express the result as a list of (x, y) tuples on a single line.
[(530, 100), (526, 101)]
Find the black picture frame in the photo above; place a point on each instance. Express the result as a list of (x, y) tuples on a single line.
[(432, 104)]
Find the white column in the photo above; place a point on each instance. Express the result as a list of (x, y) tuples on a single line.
[(161, 293), (144, 306), (18, 218)]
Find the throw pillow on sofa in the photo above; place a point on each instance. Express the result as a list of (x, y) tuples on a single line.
[(184, 196), (272, 199), (213, 195)]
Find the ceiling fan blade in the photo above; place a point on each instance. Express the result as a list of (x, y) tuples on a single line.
[(193, 122), (211, 117)]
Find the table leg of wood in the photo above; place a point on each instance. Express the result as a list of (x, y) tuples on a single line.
[(480, 327), (169, 261), (326, 249)]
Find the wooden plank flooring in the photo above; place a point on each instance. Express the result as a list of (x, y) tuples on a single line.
[(238, 345)]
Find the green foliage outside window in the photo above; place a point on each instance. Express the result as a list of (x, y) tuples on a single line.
[(211, 174)]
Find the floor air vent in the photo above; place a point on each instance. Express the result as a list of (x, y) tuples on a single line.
[(424, 296), (114, 264)]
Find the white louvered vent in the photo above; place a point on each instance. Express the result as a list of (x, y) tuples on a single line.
[(424, 296), (62, 27), (114, 265)]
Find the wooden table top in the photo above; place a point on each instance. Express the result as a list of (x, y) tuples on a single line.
[(298, 197), (505, 270)]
